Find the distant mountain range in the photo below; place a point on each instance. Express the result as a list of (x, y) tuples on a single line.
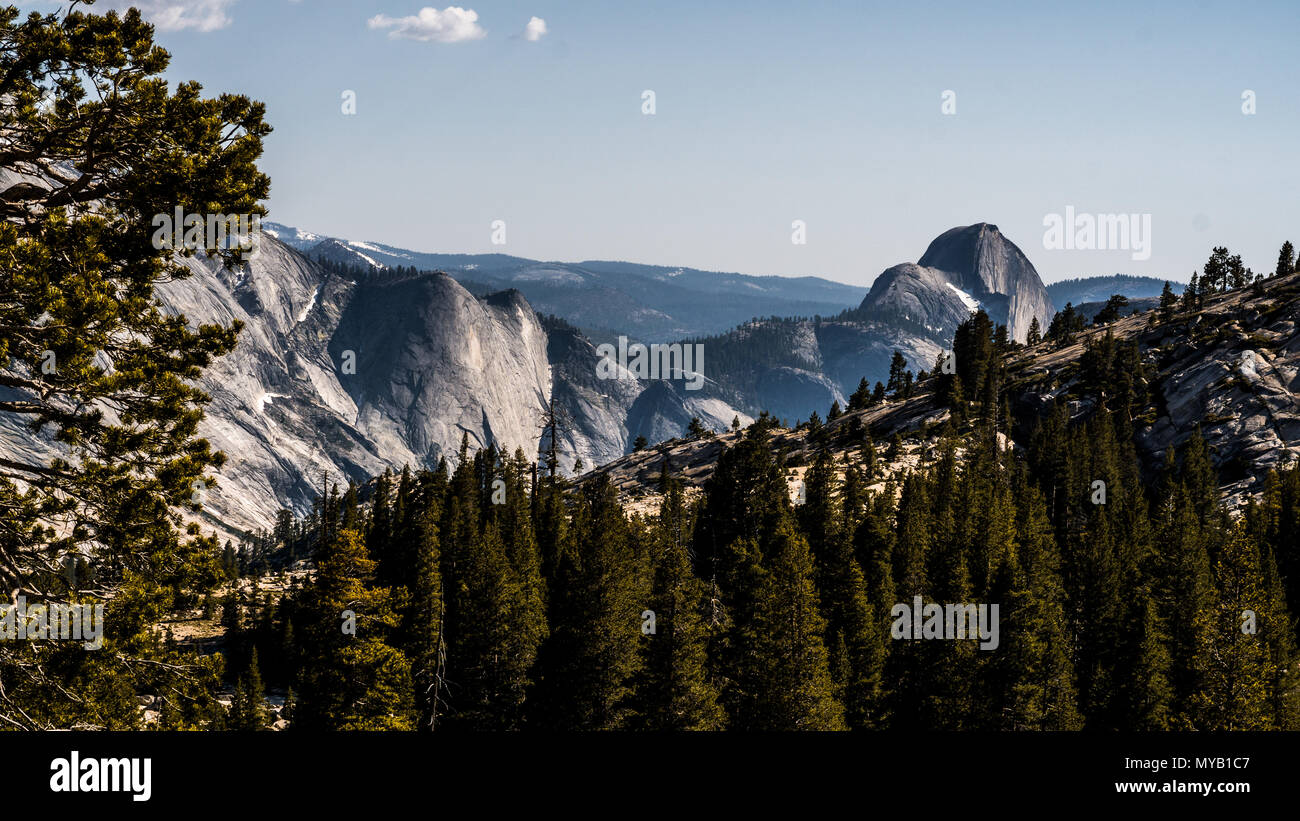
[(645, 302), (1100, 289)]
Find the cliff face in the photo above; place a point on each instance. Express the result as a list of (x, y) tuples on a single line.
[(433, 363), (793, 367), (964, 267), (345, 378)]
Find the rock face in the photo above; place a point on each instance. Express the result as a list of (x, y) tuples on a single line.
[(433, 362), (793, 367), (346, 374), (341, 377), (964, 267), (1232, 371)]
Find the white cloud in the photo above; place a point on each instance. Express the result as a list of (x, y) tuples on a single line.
[(534, 30), (174, 15), (451, 25)]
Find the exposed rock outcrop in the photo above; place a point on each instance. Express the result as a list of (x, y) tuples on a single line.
[(964, 267), (1231, 370)]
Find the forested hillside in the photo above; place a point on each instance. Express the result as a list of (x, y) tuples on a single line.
[(1132, 595)]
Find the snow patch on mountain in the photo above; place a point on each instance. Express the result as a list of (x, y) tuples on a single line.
[(302, 315), (969, 301), (265, 399)]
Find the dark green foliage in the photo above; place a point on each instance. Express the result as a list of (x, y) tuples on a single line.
[(1286, 260), (1168, 303), (589, 662), (248, 708), (80, 334), (1035, 334), (899, 376), (675, 691), (354, 680), (1112, 311)]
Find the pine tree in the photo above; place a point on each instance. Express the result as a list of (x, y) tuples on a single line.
[(588, 664), (787, 682), (248, 708), (1111, 311), (1185, 590), (1148, 696), (675, 691), (379, 537), (1285, 260), (861, 397), (1241, 674), (897, 367), (1035, 332), (1041, 691), (351, 680), (493, 646), (1192, 294), (423, 628), (81, 332), (231, 619)]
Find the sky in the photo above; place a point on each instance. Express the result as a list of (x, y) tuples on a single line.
[(533, 113)]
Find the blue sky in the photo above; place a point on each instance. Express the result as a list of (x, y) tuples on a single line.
[(767, 113)]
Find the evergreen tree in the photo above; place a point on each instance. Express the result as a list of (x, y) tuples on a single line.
[(588, 664), (861, 397), (82, 334), (1241, 673), (897, 367), (1111, 311), (1035, 332), (424, 627), (787, 683), (248, 707), (1192, 294), (1285, 260), (675, 691), (1168, 303), (355, 680)]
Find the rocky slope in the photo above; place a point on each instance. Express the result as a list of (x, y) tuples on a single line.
[(346, 375), (793, 367), (1231, 369), (964, 267)]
